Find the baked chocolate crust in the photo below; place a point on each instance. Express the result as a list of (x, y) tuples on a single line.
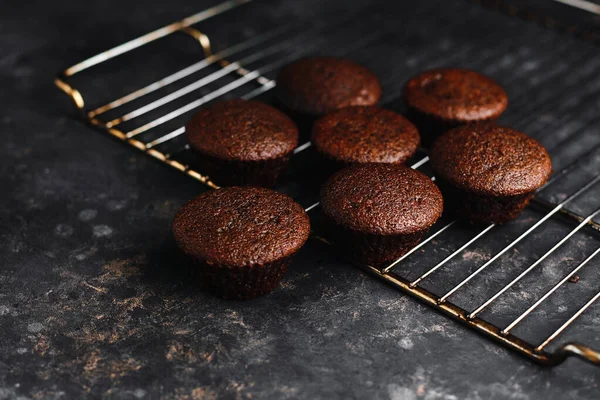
[(240, 130), (365, 135), (319, 85), (455, 95), (492, 160), (381, 199), (239, 227)]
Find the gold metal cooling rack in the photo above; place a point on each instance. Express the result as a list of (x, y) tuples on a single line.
[(166, 145)]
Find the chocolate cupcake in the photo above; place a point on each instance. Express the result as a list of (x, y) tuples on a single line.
[(359, 135), (319, 85), (488, 173), (378, 212), (241, 240), (444, 98), (242, 142)]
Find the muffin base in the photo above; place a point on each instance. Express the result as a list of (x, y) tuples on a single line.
[(371, 249), (239, 283), (328, 165), (304, 121), (431, 127), (481, 209), (332, 165), (264, 173)]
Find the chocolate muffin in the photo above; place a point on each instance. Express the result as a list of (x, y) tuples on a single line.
[(241, 239), (488, 173), (358, 135), (378, 212), (319, 85), (441, 99), (242, 142)]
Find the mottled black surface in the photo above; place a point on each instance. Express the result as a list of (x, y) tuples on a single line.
[(92, 300)]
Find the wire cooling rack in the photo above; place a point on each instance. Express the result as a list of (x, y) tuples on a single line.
[(151, 117)]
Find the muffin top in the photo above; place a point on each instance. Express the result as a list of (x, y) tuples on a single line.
[(454, 94), (239, 226), (365, 135), (242, 130), (319, 85), (383, 199), (488, 159)]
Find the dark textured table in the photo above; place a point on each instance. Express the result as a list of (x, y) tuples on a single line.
[(92, 303)]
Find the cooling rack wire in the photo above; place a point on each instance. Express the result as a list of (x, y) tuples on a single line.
[(256, 78)]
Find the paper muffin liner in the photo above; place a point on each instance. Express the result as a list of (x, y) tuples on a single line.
[(239, 283), (430, 126), (264, 173), (331, 165), (371, 249), (483, 209)]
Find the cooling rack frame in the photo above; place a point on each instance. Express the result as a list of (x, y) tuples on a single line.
[(537, 353)]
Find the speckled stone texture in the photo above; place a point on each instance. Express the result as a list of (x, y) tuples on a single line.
[(319, 85), (356, 135), (92, 303)]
